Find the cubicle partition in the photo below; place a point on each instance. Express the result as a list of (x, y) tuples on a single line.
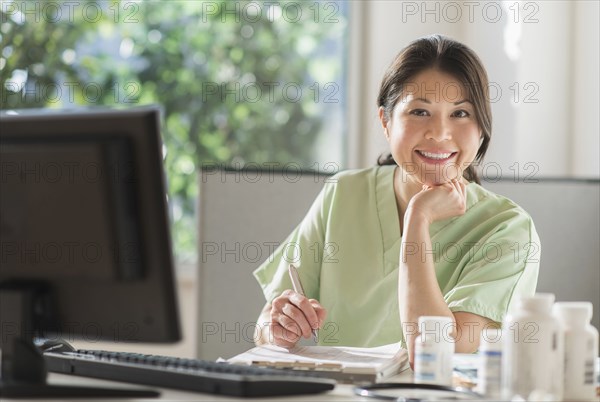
[(244, 215), (566, 213)]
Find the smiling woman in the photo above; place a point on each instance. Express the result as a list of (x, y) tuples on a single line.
[(417, 237), (464, 80), (434, 119)]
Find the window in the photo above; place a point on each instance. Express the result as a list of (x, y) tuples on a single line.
[(242, 83)]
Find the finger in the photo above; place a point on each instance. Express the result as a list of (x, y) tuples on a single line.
[(289, 324), (282, 337), (283, 299), (456, 185), (320, 310), (307, 309), (462, 193), (463, 187), (278, 314), (299, 319), (287, 293), (460, 187)]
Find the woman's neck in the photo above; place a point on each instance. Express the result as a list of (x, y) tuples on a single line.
[(405, 187)]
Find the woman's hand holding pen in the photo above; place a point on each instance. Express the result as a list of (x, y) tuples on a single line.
[(294, 316)]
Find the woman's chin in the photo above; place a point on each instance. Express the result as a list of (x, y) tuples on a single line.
[(433, 182)]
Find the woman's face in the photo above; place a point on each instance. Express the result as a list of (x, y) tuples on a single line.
[(433, 133)]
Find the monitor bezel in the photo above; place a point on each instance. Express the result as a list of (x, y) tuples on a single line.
[(144, 310)]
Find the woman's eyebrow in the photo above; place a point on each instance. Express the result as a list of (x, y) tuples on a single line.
[(463, 101), (428, 101), (420, 99)]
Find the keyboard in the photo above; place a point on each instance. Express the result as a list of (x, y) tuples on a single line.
[(185, 374)]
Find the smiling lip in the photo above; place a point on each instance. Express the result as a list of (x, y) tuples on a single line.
[(435, 157)]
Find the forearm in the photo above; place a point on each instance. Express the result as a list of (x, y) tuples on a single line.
[(418, 291)]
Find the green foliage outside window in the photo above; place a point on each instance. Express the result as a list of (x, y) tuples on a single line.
[(240, 82)]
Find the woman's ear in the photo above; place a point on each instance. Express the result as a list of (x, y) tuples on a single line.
[(384, 122)]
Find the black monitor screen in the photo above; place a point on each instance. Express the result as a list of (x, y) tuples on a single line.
[(84, 225), (68, 175)]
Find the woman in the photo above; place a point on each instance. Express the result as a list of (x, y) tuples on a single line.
[(416, 235)]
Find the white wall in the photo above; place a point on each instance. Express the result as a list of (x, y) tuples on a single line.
[(542, 60), (586, 71)]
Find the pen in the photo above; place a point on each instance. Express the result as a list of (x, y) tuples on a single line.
[(299, 289)]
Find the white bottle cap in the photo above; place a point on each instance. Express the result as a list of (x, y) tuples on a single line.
[(540, 302), (574, 313)]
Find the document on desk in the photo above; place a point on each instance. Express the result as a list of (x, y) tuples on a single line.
[(344, 364)]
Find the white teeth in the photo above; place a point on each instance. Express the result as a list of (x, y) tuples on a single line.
[(435, 156)]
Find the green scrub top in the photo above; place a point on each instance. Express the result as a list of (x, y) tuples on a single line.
[(347, 251)]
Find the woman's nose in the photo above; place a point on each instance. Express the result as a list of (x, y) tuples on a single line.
[(439, 130)]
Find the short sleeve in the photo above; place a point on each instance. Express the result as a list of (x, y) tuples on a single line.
[(301, 248), (499, 269)]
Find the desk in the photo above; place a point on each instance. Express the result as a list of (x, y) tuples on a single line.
[(342, 392)]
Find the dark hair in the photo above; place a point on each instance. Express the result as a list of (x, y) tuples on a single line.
[(447, 55)]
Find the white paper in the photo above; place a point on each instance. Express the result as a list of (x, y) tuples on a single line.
[(372, 360)]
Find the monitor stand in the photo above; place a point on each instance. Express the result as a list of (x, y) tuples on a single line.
[(22, 368)]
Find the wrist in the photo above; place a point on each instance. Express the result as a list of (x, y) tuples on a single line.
[(415, 216)]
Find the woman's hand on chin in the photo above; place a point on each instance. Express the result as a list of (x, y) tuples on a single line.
[(434, 203)]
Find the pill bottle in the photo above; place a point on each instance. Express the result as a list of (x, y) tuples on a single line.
[(597, 375), (580, 351), (434, 348), (489, 370), (532, 350)]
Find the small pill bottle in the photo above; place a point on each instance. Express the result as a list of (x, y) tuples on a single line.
[(434, 348), (532, 350), (489, 370), (580, 349)]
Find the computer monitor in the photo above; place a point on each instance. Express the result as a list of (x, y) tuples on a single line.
[(85, 250)]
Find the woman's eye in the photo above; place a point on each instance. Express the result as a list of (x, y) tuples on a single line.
[(419, 112), (461, 113)]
